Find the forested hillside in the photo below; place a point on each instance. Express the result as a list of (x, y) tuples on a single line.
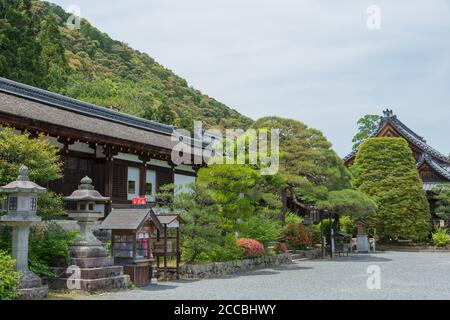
[(38, 48)]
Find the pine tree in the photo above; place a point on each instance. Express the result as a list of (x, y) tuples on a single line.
[(385, 169), (308, 164)]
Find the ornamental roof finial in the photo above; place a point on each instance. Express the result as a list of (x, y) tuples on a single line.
[(23, 173), (388, 113)]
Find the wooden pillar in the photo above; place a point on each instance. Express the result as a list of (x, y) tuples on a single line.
[(143, 174), (134, 244), (109, 166), (178, 254), (322, 237), (331, 237), (157, 241), (165, 251)]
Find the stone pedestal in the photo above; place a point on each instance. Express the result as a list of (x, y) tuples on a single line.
[(362, 243), (91, 270), (30, 285)]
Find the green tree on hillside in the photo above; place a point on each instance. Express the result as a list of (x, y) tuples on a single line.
[(52, 57), (386, 170), (19, 49), (366, 126), (35, 41), (164, 114)]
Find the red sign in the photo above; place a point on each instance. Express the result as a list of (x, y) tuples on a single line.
[(139, 200)]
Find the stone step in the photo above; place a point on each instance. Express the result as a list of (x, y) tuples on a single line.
[(40, 292), (119, 282), (88, 251), (105, 272), (92, 262)]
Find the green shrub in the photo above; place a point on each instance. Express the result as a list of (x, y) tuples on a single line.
[(262, 229), (297, 236), (9, 279), (227, 252), (440, 237), (293, 218), (49, 246), (316, 234), (326, 229), (50, 206), (348, 225)]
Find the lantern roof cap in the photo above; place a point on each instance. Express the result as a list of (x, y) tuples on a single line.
[(86, 191), (22, 184)]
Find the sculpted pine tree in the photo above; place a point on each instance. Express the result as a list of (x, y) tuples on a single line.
[(308, 165), (385, 169)]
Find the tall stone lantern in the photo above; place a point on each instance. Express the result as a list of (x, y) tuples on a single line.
[(21, 214), (90, 207), (96, 267)]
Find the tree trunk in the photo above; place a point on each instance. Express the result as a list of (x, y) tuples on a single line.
[(294, 198)]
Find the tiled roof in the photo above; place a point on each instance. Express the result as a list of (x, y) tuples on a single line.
[(411, 136), (439, 168), (22, 100), (125, 219), (133, 219), (66, 103)]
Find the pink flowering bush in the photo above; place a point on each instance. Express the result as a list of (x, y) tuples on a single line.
[(281, 247), (252, 248)]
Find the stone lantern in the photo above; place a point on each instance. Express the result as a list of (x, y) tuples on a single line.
[(21, 214), (87, 254), (90, 207)]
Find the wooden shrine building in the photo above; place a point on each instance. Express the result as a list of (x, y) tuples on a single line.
[(140, 237), (433, 166), (126, 156)]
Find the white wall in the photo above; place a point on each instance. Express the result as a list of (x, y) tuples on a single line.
[(151, 178), (133, 175)]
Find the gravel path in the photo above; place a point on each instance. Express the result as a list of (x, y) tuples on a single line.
[(404, 275)]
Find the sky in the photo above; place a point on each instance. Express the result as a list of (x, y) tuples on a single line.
[(322, 62)]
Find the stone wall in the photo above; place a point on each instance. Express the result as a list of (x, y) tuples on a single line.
[(307, 254), (229, 267)]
